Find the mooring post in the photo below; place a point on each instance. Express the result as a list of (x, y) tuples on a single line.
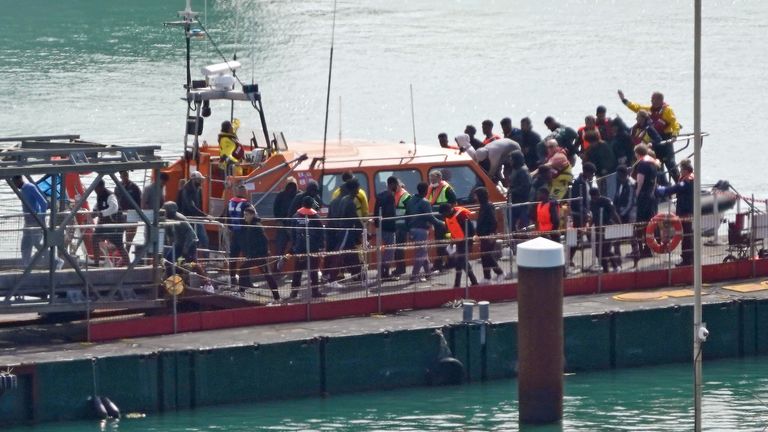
[(540, 331)]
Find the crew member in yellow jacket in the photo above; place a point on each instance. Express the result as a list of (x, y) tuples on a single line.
[(230, 150), (664, 121)]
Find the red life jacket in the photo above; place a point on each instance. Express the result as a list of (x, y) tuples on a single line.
[(306, 211), (544, 217), (453, 224), (658, 122)]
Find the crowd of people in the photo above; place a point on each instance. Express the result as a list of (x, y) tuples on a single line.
[(635, 165), (536, 173)]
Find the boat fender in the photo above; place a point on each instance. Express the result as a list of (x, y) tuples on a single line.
[(111, 408), (448, 371), (664, 221), (98, 408)]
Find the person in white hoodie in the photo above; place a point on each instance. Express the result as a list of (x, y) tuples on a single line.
[(492, 156)]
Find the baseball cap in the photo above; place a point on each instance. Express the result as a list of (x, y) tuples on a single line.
[(196, 175)]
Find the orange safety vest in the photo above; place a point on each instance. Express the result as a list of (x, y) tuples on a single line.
[(543, 217), (453, 225)]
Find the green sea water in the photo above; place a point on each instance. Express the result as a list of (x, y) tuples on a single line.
[(640, 399)]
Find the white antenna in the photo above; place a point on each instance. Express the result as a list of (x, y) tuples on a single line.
[(413, 122), (339, 120)]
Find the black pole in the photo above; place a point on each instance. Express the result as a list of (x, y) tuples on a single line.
[(328, 97), (189, 71)]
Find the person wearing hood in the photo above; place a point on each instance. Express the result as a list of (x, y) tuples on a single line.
[(180, 235), (518, 183), (230, 149), (312, 191), (496, 152)]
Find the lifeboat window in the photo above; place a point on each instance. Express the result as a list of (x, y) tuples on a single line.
[(331, 182), (409, 178), (462, 179)]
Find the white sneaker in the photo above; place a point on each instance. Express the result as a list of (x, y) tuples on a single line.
[(485, 281), (500, 277), (334, 285), (617, 269), (59, 263)]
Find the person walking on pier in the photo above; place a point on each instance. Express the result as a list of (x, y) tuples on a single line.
[(684, 208), (603, 213), (255, 247), (547, 215), (344, 234), (281, 210), (181, 236), (384, 208), (460, 230), (420, 217), (235, 216), (108, 212), (486, 229), (624, 201), (32, 203), (125, 204), (307, 243), (438, 193), (645, 173)]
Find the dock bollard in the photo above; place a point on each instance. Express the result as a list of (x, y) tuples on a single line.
[(468, 311), (483, 308), (540, 331)]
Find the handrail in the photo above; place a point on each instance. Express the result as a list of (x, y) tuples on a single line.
[(359, 162)]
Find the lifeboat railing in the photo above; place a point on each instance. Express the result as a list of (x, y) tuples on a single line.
[(398, 160)]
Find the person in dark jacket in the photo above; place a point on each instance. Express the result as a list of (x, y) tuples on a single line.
[(108, 212), (684, 208), (419, 216), (461, 231), (565, 137), (256, 250), (312, 191), (190, 203), (624, 201), (307, 241), (472, 131), (180, 235), (518, 182), (344, 234), (621, 143), (281, 210), (486, 229), (528, 141), (600, 154), (385, 208), (125, 204), (603, 213)]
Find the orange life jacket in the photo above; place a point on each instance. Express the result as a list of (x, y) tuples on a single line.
[(453, 225), (544, 217), (434, 193)]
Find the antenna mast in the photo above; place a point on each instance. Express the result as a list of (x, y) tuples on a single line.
[(328, 95), (413, 121)]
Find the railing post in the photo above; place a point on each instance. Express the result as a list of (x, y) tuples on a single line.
[(752, 251), (379, 263), (716, 214), (466, 259), (600, 239), (175, 312), (309, 269)]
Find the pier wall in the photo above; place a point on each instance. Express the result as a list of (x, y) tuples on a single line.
[(170, 380)]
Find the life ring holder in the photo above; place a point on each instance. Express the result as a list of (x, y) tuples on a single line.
[(663, 220)]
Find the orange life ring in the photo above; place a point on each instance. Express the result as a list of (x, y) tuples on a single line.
[(667, 243)]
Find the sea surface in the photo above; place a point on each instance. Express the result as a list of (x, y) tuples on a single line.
[(110, 71), (640, 399)]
